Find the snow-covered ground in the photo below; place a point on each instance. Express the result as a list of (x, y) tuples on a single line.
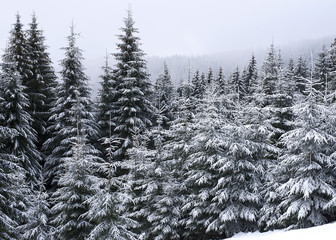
[(324, 232)]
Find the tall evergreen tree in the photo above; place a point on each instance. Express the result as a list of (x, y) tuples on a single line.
[(198, 82), (18, 155), (306, 162), (220, 83), (17, 51), (77, 184), (210, 77), (16, 116), (301, 72), (40, 83), (237, 193), (237, 87), (107, 108), (200, 175), (134, 107), (250, 76), (164, 96), (72, 110), (269, 73)]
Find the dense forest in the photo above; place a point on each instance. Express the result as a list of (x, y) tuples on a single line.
[(210, 157)]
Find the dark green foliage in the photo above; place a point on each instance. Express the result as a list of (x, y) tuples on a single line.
[(134, 89)]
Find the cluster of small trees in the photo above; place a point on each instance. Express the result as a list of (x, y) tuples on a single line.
[(209, 158)]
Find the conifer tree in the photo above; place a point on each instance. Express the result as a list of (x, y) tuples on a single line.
[(164, 96), (331, 77), (108, 207), (18, 154), (220, 83), (15, 116), (134, 107), (198, 82), (250, 76), (9, 175), (107, 109), (17, 51), (163, 201), (77, 184), (73, 109), (40, 83), (306, 162), (301, 72), (321, 70), (39, 227), (237, 88), (210, 76), (237, 198), (200, 175), (269, 72)]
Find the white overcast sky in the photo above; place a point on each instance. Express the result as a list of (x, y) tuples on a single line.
[(169, 27)]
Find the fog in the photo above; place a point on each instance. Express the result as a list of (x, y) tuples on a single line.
[(174, 27)]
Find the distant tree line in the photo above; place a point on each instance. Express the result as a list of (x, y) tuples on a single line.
[(211, 157)]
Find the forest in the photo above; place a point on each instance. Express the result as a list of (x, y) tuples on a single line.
[(204, 159)]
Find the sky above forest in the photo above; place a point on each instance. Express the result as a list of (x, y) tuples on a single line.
[(169, 27)]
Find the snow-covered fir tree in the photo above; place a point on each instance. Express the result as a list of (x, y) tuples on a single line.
[(210, 76), (15, 106), (237, 87), (18, 51), (220, 83), (134, 106), (18, 154), (331, 76), (73, 109), (300, 72), (306, 162), (321, 70), (163, 207), (199, 85), (108, 208), (38, 227), (77, 184), (200, 176), (249, 77), (40, 83), (9, 179), (107, 109), (237, 196), (164, 96)]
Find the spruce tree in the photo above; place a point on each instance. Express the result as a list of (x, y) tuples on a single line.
[(18, 156), (301, 72), (250, 76), (15, 116), (220, 83), (306, 162), (40, 83), (237, 193), (39, 227), (77, 184), (164, 96), (9, 175), (134, 107), (210, 77), (199, 85), (237, 87), (269, 73), (200, 175), (72, 110), (17, 50), (321, 70), (107, 109)]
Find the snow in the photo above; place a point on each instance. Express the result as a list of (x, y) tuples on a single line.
[(327, 231)]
